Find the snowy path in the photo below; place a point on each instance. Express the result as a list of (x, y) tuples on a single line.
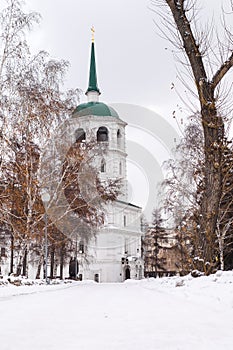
[(127, 316)]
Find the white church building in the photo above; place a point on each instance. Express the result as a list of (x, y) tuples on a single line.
[(115, 251)]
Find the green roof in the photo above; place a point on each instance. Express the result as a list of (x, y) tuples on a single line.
[(95, 108), (92, 86)]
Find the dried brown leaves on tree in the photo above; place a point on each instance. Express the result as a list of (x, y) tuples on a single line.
[(31, 105)]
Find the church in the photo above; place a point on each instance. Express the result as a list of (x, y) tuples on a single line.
[(114, 253), (116, 248)]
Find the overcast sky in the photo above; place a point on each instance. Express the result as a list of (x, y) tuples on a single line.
[(134, 64)]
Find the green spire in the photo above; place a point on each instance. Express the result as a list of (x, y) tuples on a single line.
[(92, 75)]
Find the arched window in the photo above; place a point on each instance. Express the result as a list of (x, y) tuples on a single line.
[(81, 248), (120, 168), (3, 252), (119, 138), (80, 135), (102, 134), (103, 166)]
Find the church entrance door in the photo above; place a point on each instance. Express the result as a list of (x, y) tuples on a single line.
[(127, 273)]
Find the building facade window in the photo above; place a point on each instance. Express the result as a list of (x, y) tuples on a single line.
[(119, 139), (81, 248), (80, 135), (3, 252), (103, 166), (102, 134), (96, 278), (126, 246)]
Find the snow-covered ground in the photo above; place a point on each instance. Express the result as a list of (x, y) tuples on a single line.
[(153, 314)]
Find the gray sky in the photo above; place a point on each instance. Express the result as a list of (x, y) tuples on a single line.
[(132, 61), (134, 64)]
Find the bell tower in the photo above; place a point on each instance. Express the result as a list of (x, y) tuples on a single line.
[(116, 248), (102, 123)]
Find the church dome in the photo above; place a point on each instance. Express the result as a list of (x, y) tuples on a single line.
[(93, 106), (96, 109)]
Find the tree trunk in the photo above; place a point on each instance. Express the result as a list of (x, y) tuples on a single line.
[(12, 255), (213, 147), (221, 253), (24, 272), (39, 267), (18, 270), (19, 265), (55, 267), (61, 262), (52, 263)]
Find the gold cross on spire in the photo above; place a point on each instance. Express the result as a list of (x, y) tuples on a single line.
[(92, 34)]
